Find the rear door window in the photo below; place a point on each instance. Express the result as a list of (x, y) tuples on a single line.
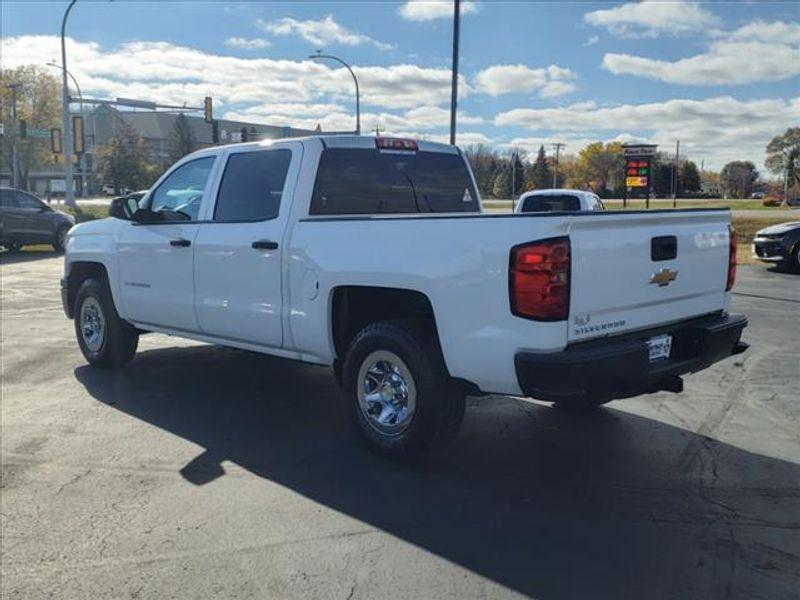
[(252, 186), (554, 203), (353, 181)]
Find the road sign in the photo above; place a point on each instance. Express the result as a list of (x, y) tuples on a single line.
[(635, 150), (636, 182), (38, 132)]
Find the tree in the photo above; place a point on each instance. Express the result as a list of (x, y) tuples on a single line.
[(39, 105), (689, 176), (539, 174), (518, 175), (125, 161), (182, 140), (502, 183), (601, 166), (485, 164), (737, 178), (783, 157)]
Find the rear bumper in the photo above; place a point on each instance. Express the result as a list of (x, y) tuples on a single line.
[(620, 367)]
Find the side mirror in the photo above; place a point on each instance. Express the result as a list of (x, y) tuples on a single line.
[(123, 208), (145, 216)]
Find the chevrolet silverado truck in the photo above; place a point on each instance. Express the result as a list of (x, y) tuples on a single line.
[(373, 256)]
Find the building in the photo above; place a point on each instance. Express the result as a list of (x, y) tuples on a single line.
[(104, 121)]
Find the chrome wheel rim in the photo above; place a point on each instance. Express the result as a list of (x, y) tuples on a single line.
[(387, 395), (62, 237), (93, 324)]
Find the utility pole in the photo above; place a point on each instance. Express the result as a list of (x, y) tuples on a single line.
[(513, 175), (15, 133), (454, 83), (66, 125), (675, 175), (557, 146)]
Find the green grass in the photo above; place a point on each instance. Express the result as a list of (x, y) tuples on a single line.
[(86, 213)]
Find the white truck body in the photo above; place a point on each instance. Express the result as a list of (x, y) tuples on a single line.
[(278, 300)]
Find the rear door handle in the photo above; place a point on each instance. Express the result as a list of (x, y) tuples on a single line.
[(180, 242), (265, 245)]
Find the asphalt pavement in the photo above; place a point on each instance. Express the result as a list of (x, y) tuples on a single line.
[(201, 472)]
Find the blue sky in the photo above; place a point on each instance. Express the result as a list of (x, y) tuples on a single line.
[(722, 77)]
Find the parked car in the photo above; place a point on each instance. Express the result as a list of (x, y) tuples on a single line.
[(779, 244), (558, 200), (371, 256), (110, 190), (25, 219), (794, 201)]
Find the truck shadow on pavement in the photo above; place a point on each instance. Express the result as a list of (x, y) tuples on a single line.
[(547, 504)]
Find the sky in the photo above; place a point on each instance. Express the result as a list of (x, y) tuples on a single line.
[(721, 77)]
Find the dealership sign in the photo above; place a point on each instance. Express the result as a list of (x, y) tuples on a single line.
[(638, 169)]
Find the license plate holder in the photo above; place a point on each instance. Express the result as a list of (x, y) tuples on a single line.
[(659, 347)]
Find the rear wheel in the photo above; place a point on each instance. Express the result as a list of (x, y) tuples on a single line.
[(105, 339), (397, 390)]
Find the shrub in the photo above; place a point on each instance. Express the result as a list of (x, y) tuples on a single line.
[(771, 202)]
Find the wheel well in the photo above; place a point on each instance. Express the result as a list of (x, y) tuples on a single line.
[(355, 307), (78, 273)]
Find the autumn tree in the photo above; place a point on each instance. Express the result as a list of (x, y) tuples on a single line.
[(182, 140), (124, 162), (39, 105), (601, 166), (737, 178)]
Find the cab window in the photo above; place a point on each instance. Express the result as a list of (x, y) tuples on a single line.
[(252, 186)]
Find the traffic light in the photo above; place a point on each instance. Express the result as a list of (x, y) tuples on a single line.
[(23, 129), (244, 134), (55, 140), (77, 135), (208, 111)]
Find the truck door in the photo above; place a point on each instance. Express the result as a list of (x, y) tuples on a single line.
[(237, 261), (156, 261)]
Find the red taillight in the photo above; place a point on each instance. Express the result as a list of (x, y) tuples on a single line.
[(539, 280), (388, 143), (732, 248)]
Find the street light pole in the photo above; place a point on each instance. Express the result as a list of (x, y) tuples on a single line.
[(454, 82), (80, 103), (15, 135), (69, 183), (320, 55)]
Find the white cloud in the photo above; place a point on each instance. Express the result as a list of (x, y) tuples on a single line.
[(716, 129), (321, 33), (247, 44), (176, 74), (507, 79), (651, 18), (756, 52), (592, 40), (428, 10)]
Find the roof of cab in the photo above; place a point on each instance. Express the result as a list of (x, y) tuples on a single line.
[(331, 141)]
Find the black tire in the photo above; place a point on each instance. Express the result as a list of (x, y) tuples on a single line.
[(795, 262), (580, 406), (439, 409), (11, 246), (119, 340), (59, 238)]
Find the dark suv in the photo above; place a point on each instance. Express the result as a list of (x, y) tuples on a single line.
[(24, 219)]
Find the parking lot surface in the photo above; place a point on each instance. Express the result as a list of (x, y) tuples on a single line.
[(202, 472)]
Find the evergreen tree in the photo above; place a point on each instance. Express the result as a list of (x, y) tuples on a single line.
[(502, 182), (182, 140), (540, 175)]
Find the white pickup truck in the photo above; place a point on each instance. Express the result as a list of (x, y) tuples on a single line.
[(372, 255)]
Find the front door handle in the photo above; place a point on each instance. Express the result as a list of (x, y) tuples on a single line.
[(265, 245), (180, 242)]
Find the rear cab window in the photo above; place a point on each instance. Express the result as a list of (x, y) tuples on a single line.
[(359, 181), (252, 186), (551, 203)]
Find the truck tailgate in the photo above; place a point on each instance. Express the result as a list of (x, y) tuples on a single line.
[(638, 270)]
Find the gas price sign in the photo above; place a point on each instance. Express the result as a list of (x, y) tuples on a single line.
[(637, 172)]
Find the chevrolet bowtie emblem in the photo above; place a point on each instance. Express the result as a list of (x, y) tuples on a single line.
[(663, 277)]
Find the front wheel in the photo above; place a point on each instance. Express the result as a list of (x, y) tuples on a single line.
[(105, 339), (397, 390)]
